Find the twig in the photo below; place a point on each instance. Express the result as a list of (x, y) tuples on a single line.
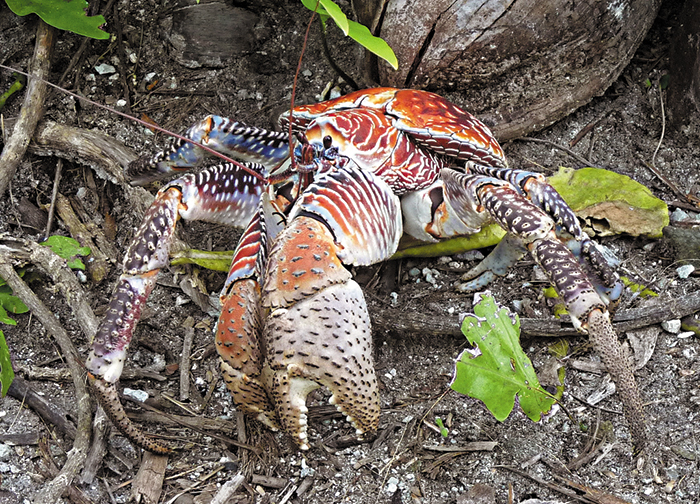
[(185, 364), (148, 484), (583, 161), (98, 266), (50, 413), (32, 108), (228, 489), (552, 486), (54, 194), (663, 128), (101, 428), (51, 492), (391, 319), (54, 266)]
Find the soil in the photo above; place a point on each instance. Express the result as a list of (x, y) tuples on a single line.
[(409, 461)]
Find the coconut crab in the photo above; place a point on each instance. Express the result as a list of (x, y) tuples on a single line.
[(367, 167)]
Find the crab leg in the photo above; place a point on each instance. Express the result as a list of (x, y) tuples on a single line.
[(241, 353), (318, 330), (231, 138), (535, 187), (536, 229), (219, 194)]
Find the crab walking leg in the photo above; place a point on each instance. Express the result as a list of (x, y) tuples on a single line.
[(535, 187), (231, 138), (318, 330), (536, 229), (222, 194), (239, 329)]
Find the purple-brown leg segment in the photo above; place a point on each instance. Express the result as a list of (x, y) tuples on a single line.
[(536, 230), (219, 194)]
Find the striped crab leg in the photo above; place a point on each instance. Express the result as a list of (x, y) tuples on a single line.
[(238, 332), (318, 331), (224, 194), (231, 138), (535, 228)]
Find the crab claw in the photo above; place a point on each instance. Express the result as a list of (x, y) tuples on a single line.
[(318, 330)]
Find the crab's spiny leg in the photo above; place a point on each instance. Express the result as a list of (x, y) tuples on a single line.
[(588, 311), (536, 188), (231, 138), (318, 331), (584, 304), (219, 194)]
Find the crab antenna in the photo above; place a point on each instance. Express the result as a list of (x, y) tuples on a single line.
[(294, 85), (141, 122)]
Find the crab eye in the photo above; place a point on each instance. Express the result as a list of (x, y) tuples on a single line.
[(327, 142)]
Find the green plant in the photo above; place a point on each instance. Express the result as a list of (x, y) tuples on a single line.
[(69, 249), (356, 31), (501, 371), (443, 430), (63, 14), (6, 372), (10, 303)]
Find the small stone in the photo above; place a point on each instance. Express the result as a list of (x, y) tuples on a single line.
[(414, 272), (394, 298), (139, 395), (392, 485), (672, 326), (678, 215), (471, 255), (105, 68), (685, 270), (307, 73), (5, 451)]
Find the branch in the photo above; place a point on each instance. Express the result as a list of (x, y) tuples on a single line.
[(657, 311), (32, 108), (55, 488)]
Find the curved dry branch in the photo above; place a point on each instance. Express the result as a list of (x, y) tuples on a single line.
[(33, 106), (55, 488)]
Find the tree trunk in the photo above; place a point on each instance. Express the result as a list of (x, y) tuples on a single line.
[(684, 85), (520, 65)]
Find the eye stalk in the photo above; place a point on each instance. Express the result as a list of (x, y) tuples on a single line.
[(312, 157)]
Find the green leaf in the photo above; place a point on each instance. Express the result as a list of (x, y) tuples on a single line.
[(356, 31), (5, 318), (643, 290), (217, 261), (613, 203), (501, 371), (6, 372), (336, 14), (63, 14), (67, 248), (12, 304), (361, 34)]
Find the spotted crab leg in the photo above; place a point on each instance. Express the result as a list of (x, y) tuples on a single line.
[(535, 228), (219, 194), (318, 330)]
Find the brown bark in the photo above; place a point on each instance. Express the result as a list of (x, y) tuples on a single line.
[(520, 65), (684, 85)]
